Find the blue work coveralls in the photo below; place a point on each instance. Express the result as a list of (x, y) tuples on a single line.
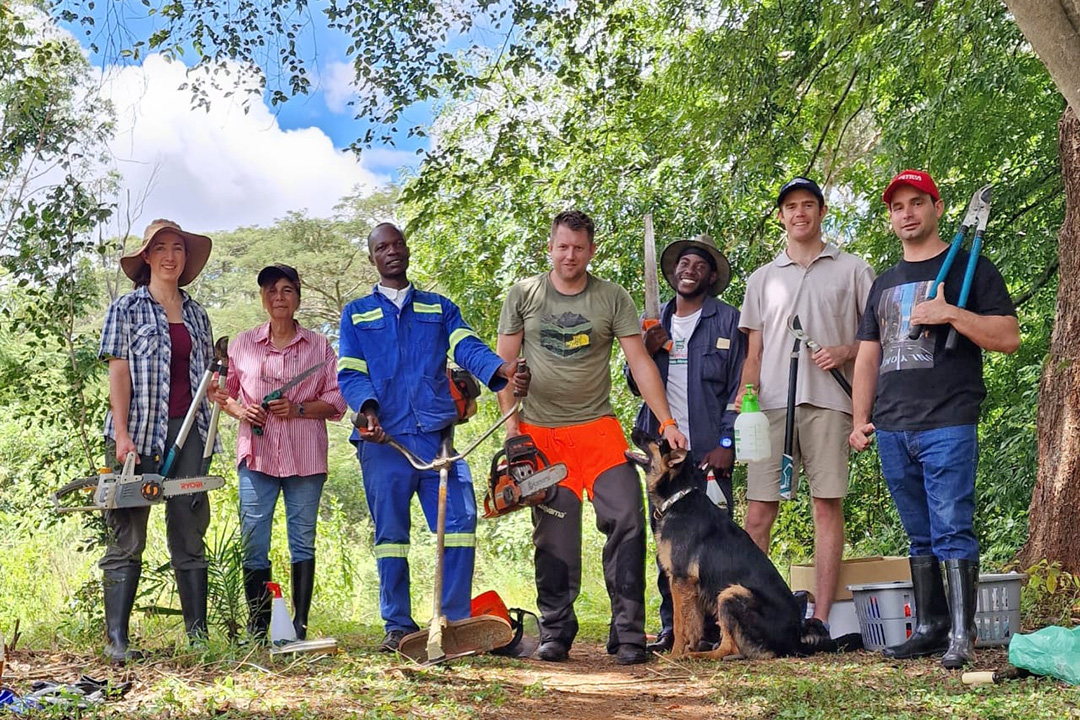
[(397, 358)]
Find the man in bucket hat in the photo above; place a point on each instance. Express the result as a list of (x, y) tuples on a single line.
[(826, 288), (701, 373)]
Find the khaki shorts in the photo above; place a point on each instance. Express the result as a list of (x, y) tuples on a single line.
[(820, 448)]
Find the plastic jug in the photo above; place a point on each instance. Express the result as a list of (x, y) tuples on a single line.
[(751, 431), (281, 626)]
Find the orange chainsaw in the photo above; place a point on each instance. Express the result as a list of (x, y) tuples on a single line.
[(520, 476)]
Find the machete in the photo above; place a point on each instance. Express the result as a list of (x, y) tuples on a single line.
[(652, 281)]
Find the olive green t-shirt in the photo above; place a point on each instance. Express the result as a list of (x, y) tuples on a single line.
[(567, 343)]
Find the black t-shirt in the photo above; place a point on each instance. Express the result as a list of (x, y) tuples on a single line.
[(922, 386)]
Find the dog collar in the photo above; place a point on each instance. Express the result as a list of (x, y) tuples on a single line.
[(674, 499)]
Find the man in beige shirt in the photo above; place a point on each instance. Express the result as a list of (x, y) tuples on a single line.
[(827, 289)]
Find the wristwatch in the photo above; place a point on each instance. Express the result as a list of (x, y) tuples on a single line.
[(300, 409), (726, 442)]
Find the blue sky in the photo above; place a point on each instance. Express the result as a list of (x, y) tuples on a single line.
[(227, 168)]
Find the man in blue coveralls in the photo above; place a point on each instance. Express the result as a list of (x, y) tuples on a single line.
[(392, 368)]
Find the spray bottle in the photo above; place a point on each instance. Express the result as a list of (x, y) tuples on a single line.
[(751, 431)]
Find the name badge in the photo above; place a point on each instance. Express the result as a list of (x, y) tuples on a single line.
[(723, 343)]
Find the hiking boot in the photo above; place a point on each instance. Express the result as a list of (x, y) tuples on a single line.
[(963, 589), (663, 644), (931, 634), (392, 641), (630, 655), (552, 651)]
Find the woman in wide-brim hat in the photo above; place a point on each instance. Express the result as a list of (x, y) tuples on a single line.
[(158, 343), (287, 456)]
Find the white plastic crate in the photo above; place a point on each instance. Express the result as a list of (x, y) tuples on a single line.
[(887, 613)]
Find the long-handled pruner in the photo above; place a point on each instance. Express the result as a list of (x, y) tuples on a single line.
[(221, 355), (446, 639), (795, 328), (977, 215)]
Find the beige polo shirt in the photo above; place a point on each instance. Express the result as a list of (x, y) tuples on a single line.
[(829, 297)]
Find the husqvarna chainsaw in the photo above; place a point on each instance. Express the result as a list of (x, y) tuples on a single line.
[(520, 476), (111, 490)]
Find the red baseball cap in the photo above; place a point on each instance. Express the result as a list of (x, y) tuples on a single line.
[(915, 178)]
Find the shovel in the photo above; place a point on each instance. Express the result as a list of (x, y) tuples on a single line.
[(448, 639)]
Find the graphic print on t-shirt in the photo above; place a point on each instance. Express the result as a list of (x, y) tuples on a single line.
[(894, 308), (565, 335)]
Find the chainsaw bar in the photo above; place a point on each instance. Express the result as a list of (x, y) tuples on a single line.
[(542, 479), (112, 491)]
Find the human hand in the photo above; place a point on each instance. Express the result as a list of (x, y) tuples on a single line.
[(860, 437), (216, 393), (831, 357), (374, 431), (655, 338), (253, 414), (675, 438), (739, 395), (518, 374), (935, 311), (721, 460), (283, 408), (124, 445)]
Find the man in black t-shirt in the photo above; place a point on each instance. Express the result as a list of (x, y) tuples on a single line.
[(925, 401)]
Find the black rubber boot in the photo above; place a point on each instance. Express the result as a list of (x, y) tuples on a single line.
[(931, 635), (191, 586), (303, 584), (258, 602), (963, 587), (120, 588)]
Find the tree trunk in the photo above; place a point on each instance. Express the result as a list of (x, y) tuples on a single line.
[(1053, 29), (1055, 504)]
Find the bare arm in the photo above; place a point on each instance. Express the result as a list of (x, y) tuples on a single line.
[(863, 391), (647, 378), (120, 403), (508, 347), (751, 369)]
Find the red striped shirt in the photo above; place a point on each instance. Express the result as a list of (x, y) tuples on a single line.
[(289, 446)]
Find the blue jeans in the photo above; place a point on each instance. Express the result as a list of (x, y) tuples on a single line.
[(258, 496), (931, 475)]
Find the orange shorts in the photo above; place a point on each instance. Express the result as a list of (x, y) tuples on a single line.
[(587, 449)]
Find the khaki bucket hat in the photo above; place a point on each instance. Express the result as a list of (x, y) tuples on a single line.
[(198, 251), (669, 258)]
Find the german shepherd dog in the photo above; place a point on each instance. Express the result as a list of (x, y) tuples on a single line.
[(714, 566)]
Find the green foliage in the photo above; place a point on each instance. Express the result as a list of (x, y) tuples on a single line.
[(1051, 596)]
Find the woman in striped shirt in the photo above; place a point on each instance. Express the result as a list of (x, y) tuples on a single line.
[(281, 446)]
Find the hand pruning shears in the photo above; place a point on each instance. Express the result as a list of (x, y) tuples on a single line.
[(978, 214), (795, 328), (280, 392)]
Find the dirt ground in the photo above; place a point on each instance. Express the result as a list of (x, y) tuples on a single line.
[(590, 686)]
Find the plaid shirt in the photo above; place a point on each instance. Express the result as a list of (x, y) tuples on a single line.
[(137, 330)]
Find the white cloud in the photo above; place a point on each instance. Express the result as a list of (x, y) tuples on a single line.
[(222, 168), (338, 86)]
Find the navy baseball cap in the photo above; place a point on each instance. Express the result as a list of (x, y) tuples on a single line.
[(800, 183), (272, 273)]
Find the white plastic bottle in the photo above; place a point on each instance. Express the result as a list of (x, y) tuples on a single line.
[(281, 626), (751, 431)]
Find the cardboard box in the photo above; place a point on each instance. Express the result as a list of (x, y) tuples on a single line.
[(855, 571)]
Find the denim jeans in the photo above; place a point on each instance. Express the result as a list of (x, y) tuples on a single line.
[(258, 496), (931, 475)]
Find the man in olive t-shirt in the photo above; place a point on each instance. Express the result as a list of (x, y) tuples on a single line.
[(564, 323)]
